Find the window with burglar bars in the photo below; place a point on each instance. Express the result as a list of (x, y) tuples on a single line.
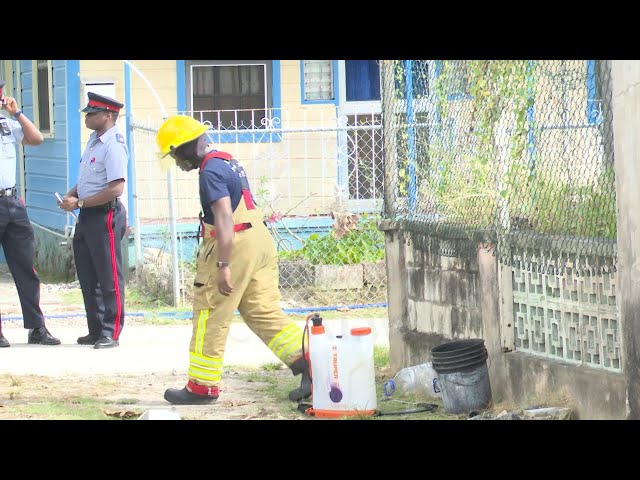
[(230, 94), (365, 163), (360, 111)]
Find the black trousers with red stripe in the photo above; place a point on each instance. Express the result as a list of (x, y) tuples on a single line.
[(98, 255), (18, 243)]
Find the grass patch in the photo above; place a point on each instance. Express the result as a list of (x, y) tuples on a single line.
[(79, 408), (271, 366), (278, 382), (259, 377), (356, 313), (73, 296), (380, 356), (151, 319), (127, 401), (137, 300)]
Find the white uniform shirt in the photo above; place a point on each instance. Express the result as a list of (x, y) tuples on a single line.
[(10, 134), (104, 160)]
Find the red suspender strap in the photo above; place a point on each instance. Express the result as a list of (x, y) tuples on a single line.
[(209, 156), (248, 199), (238, 227)]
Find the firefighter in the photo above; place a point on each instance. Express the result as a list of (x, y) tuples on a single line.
[(237, 268)]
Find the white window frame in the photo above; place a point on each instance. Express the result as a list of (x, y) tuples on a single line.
[(355, 108), (305, 83), (48, 133)]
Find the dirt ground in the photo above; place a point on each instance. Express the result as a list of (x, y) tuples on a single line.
[(129, 396), (82, 383)]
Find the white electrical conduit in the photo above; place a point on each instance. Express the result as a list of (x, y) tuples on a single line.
[(66, 237)]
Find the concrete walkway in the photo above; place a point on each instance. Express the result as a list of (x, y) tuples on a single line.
[(152, 348), (143, 348)]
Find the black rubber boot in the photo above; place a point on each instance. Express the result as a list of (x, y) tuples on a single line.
[(185, 397), (301, 366)]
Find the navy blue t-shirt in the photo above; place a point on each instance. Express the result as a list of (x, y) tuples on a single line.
[(221, 178)]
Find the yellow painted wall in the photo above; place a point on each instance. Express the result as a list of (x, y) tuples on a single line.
[(301, 169), (161, 74), (280, 162)]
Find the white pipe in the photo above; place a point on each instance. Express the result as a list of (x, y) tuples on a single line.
[(50, 231), (172, 217), (153, 90), (136, 220)]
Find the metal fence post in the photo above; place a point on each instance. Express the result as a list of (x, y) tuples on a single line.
[(174, 240), (137, 241)]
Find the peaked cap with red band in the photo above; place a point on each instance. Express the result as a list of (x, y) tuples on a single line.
[(100, 103)]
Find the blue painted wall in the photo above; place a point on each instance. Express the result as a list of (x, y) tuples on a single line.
[(46, 168), (46, 164)]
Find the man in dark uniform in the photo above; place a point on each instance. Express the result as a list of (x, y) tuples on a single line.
[(16, 232), (102, 222)]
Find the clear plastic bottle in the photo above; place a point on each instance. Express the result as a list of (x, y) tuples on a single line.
[(418, 379)]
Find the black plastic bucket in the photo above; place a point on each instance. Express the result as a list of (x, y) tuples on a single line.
[(463, 375)]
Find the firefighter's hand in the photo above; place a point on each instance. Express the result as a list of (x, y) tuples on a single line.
[(224, 281)]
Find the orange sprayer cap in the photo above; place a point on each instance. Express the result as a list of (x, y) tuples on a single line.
[(361, 331)]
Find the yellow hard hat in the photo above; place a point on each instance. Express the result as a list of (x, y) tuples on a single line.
[(177, 131)]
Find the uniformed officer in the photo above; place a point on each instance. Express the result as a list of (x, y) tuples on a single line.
[(101, 223), (16, 232), (237, 268)]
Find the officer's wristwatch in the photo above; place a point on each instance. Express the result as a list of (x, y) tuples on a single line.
[(222, 264), (80, 203)]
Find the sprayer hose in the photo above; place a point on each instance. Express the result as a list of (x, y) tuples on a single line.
[(422, 407)]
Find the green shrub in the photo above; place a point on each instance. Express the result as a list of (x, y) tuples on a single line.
[(364, 244)]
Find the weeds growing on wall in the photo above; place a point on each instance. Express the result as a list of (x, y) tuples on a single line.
[(481, 160)]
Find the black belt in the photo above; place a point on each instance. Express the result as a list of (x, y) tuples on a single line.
[(8, 192), (104, 208)]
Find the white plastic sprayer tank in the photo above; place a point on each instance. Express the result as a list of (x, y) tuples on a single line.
[(342, 371)]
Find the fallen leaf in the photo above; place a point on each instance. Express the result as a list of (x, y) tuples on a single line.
[(120, 413)]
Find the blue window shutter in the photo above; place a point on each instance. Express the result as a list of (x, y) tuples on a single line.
[(362, 80)]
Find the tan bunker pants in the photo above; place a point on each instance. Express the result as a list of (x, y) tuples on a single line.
[(254, 275)]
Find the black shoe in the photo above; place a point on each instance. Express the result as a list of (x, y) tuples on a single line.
[(185, 397), (88, 339), (304, 390), (106, 342), (4, 342), (42, 336)]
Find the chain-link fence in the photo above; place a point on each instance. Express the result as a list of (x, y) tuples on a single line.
[(319, 184), (513, 153)]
